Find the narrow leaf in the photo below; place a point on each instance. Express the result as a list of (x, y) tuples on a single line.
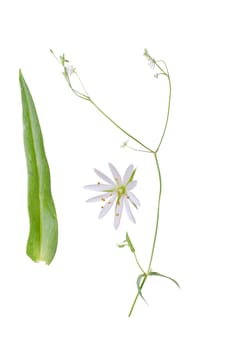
[(138, 282), (122, 244), (43, 234), (159, 274), (130, 243)]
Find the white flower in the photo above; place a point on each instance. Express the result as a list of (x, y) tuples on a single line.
[(151, 63), (70, 69), (118, 191)]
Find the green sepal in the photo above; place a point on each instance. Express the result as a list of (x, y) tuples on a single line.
[(63, 60), (132, 176)]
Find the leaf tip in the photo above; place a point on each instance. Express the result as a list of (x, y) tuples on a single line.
[(21, 78)]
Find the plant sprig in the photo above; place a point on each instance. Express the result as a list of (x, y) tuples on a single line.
[(162, 70)]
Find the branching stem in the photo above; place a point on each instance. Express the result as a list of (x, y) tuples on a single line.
[(162, 72)]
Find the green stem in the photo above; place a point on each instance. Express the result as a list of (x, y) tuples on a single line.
[(136, 259), (157, 214), (119, 127), (155, 236), (160, 191), (168, 112), (137, 295)]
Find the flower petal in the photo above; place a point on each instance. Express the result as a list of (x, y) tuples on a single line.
[(104, 177), (118, 212), (115, 173), (133, 199), (106, 207), (131, 185), (128, 173), (100, 188), (129, 212), (101, 197)]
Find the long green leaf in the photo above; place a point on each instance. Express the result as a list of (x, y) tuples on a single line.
[(122, 244), (130, 243), (159, 274), (139, 286), (43, 235)]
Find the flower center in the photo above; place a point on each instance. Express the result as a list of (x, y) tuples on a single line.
[(121, 190)]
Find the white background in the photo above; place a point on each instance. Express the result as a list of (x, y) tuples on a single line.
[(82, 299)]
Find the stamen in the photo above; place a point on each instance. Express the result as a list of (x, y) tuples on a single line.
[(103, 199)]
